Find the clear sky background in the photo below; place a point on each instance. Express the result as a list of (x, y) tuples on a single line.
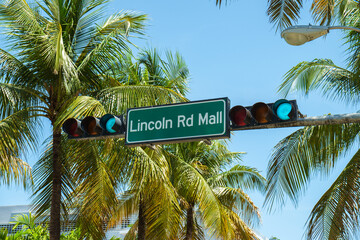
[(235, 52)]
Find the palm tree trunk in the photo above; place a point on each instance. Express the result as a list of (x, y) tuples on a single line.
[(141, 221), (56, 188), (190, 222)]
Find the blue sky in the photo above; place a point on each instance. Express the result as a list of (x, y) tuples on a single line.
[(235, 52)]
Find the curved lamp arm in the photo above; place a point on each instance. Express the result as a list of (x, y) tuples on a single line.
[(300, 34), (344, 27)]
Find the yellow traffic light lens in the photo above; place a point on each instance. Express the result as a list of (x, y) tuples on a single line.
[(90, 126), (261, 112)]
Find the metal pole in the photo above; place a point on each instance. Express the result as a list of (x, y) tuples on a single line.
[(344, 27), (309, 121)]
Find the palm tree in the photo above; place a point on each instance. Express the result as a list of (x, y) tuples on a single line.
[(16, 136), (316, 149), (107, 167), (199, 175), (150, 195), (56, 66), (284, 13)]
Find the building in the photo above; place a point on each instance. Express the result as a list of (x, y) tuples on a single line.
[(7, 214)]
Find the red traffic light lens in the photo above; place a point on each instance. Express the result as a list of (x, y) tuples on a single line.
[(239, 116), (91, 126), (261, 112), (72, 127)]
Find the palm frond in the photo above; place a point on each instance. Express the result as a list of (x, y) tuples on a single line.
[(43, 180), (16, 171), (18, 72), (239, 177), (193, 187), (177, 72), (14, 70), (95, 191), (128, 204), (303, 153), (322, 74), (77, 107), (18, 131), (323, 11), (25, 220), (283, 13), (119, 99), (19, 21), (14, 98), (107, 43), (348, 12), (241, 230), (152, 61), (132, 233), (147, 172), (336, 214), (353, 50), (150, 176), (240, 203)]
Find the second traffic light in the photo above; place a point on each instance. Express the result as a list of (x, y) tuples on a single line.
[(92, 127), (263, 113)]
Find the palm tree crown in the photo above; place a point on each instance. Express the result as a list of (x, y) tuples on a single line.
[(57, 65), (316, 149), (204, 184)]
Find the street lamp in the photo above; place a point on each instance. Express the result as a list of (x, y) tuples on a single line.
[(298, 35)]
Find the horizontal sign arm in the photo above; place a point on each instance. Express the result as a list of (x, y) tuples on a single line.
[(309, 121)]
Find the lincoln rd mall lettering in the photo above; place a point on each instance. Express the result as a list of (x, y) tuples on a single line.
[(181, 121)]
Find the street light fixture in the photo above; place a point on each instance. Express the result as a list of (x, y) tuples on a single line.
[(298, 35)]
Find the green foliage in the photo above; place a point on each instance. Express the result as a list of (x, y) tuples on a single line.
[(168, 180), (274, 238), (62, 60), (31, 230), (315, 150), (115, 238), (284, 13), (73, 235), (199, 175), (3, 234)]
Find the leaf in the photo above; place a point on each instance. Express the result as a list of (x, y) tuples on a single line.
[(322, 74), (323, 11), (283, 13), (335, 215), (305, 152)]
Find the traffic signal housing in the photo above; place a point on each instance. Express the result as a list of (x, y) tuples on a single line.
[(95, 128), (263, 113)]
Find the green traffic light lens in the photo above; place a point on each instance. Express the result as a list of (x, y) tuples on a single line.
[(110, 124), (284, 110)]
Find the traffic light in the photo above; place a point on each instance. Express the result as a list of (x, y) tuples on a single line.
[(263, 113), (94, 128)]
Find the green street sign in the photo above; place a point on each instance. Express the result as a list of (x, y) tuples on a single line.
[(207, 119)]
